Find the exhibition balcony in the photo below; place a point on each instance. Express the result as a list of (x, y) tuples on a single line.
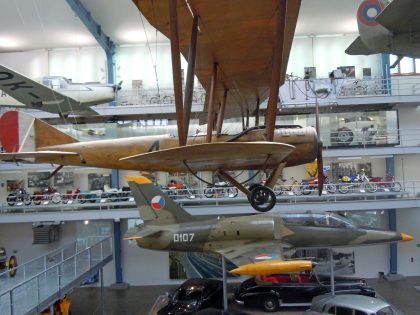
[(199, 201), (40, 282)]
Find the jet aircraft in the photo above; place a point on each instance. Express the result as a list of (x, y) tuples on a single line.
[(168, 227), (53, 94), (392, 29)]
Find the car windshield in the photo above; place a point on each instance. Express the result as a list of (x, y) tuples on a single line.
[(189, 295)]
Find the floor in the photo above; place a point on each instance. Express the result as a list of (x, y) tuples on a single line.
[(140, 300)]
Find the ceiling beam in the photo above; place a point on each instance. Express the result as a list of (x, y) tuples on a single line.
[(96, 30)]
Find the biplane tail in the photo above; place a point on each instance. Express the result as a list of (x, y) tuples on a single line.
[(154, 205), (21, 132)]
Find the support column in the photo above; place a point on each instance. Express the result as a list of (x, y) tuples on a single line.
[(176, 69), (392, 218), (386, 73), (115, 179), (221, 115), (189, 85), (212, 100), (119, 283), (247, 119), (276, 71)]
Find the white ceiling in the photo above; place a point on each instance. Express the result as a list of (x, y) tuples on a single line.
[(37, 24)]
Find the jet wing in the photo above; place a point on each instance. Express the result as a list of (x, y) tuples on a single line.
[(244, 254), (36, 95), (136, 233), (36, 154), (214, 156), (238, 35), (401, 16), (358, 48)]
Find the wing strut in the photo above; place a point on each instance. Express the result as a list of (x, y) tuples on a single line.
[(221, 115), (176, 69), (276, 70), (212, 101), (189, 84), (257, 113)]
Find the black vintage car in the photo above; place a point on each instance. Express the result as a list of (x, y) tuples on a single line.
[(294, 290), (194, 295)]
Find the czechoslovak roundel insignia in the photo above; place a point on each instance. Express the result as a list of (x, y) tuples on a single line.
[(158, 202)]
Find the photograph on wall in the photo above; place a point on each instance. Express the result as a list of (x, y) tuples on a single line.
[(348, 71), (13, 185), (309, 73), (196, 265), (64, 179), (343, 260), (98, 181), (38, 179), (350, 169)]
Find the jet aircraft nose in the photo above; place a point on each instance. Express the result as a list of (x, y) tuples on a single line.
[(406, 237)]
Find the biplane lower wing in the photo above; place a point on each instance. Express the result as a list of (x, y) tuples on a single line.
[(215, 156), (17, 156)]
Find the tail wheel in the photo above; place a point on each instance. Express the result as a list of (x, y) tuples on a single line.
[(262, 198), (12, 266)]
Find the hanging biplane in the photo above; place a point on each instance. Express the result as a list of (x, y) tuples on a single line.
[(238, 50)]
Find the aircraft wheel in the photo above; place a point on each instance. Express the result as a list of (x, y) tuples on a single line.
[(270, 303), (262, 198), (12, 266)]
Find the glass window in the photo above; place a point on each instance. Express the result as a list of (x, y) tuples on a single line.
[(339, 310), (407, 65)]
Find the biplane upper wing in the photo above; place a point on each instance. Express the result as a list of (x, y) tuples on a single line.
[(214, 156), (238, 35)]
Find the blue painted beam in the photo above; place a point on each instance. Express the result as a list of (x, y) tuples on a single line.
[(392, 217), (95, 29), (117, 252), (386, 72)]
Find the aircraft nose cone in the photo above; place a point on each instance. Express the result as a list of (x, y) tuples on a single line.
[(406, 237)]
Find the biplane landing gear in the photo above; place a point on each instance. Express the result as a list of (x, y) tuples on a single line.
[(262, 198)]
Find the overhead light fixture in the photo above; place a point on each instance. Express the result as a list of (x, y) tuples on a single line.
[(381, 156)]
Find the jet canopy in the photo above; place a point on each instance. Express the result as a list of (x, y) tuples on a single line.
[(316, 219)]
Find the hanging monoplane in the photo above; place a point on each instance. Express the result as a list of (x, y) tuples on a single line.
[(53, 94)]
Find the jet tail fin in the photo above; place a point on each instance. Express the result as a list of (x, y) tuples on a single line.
[(21, 132), (358, 48), (154, 205)]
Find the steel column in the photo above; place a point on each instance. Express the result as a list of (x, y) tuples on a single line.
[(386, 73), (117, 252), (392, 220), (225, 300), (189, 85), (212, 101), (176, 69), (270, 117), (115, 179), (221, 115)]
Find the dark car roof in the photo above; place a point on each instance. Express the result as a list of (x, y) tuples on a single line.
[(201, 283)]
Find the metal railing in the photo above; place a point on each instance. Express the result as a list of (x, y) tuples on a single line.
[(221, 196), (47, 278)]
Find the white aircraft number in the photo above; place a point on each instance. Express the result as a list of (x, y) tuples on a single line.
[(183, 237)]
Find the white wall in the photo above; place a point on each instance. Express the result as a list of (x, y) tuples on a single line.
[(33, 64), (326, 54)]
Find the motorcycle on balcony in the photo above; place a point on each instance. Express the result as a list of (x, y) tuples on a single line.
[(387, 184), (359, 181)]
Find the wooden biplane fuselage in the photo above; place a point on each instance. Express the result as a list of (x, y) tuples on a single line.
[(111, 153)]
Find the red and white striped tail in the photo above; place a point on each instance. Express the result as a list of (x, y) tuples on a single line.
[(17, 132)]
